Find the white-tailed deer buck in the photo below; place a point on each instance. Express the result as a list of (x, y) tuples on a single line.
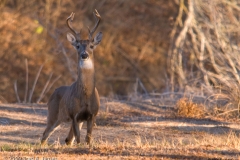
[(80, 101)]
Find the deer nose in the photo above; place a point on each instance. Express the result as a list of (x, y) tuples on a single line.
[(84, 56)]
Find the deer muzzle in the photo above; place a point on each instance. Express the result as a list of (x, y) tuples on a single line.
[(84, 56)]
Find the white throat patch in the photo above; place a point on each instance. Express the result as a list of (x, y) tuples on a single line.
[(87, 64)]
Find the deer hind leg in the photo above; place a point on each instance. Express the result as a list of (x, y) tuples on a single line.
[(48, 131), (90, 122), (70, 138)]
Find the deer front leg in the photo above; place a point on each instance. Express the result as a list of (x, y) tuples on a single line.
[(48, 131), (89, 129), (76, 130), (70, 138)]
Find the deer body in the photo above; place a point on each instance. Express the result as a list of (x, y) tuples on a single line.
[(80, 101)]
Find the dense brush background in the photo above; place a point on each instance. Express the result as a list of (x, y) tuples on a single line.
[(149, 46), (134, 46)]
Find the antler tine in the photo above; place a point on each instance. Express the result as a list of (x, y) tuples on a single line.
[(71, 17), (97, 19)]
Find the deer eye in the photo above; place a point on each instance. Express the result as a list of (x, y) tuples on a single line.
[(91, 46), (77, 47)]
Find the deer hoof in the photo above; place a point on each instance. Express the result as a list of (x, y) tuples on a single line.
[(88, 139), (43, 142), (68, 142)]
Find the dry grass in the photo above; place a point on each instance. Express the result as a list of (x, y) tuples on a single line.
[(189, 109), (121, 134), (195, 146)]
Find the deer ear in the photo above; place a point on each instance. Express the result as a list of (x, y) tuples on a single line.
[(97, 39), (71, 38)]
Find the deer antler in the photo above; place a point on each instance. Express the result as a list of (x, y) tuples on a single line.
[(71, 17), (98, 19)]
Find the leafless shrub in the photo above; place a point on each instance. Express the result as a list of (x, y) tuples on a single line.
[(227, 102), (45, 89), (205, 48)]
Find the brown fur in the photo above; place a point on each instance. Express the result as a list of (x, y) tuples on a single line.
[(80, 101)]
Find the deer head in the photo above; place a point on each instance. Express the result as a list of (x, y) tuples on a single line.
[(84, 47)]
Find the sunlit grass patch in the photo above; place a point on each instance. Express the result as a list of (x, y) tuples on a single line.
[(189, 109)]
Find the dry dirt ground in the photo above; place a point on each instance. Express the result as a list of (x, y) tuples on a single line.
[(133, 129)]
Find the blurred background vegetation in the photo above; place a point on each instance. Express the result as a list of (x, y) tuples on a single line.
[(148, 47), (134, 46)]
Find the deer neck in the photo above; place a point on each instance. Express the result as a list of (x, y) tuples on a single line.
[(86, 80)]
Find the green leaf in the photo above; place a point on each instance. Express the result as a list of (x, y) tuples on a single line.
[(39, 29)]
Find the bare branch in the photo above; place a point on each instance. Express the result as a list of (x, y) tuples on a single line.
[(34, 84), (16, 92), (44, 88), (51, 84), (26, 82)]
